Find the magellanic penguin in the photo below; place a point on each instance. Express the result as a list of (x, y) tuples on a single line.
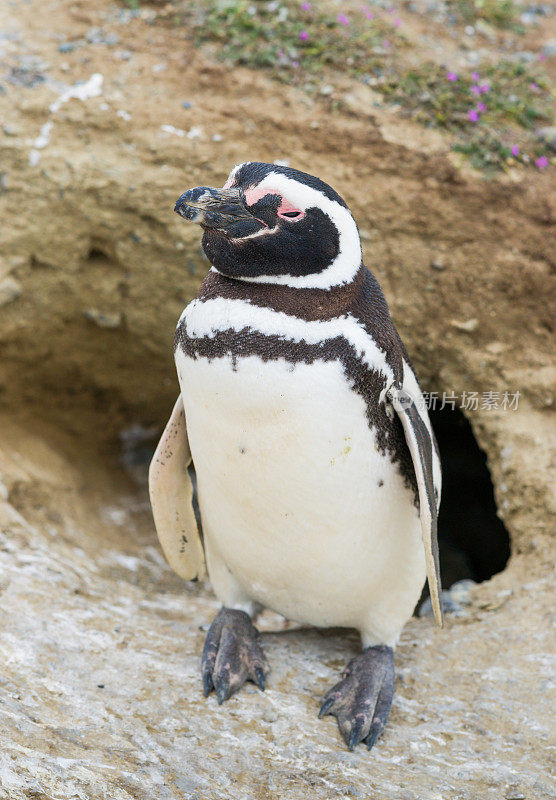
[(317, 468)]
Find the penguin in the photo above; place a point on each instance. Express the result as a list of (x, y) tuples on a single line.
[(318, 474)]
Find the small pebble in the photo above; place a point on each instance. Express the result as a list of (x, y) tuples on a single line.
[(438, 264), (453, 600), (514, 794), (27, 78), (548, 135), (468, 325), (10, 290), (270, 715), (104, 319), (216, 138), (10, 130), (67, 47), (327, 90), (525, 56), (186, 104)]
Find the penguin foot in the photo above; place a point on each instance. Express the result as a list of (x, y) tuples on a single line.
[(232, 655), (361, 700)]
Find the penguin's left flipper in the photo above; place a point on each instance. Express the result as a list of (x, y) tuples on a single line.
[(420, 446), (361, 701), (171, 493)]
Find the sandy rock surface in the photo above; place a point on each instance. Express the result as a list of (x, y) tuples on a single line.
[(99, 643)]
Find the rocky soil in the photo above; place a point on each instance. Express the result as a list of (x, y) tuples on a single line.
[(99, 643)]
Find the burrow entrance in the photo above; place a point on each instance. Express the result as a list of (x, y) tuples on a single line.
[(473, 541)]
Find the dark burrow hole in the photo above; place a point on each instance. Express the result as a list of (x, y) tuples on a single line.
[(96, 254), (473, 541)]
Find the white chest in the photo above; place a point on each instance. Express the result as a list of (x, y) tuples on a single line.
[(298, 504)]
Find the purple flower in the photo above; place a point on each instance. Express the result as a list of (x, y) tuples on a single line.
[(542, 162), (451, 76), (475, 76), (397, 22), (481, 107), (368, 14), (534, 86), (386, 43), (303, 36), (295, 64), (342, 19), (473, 115), (476, 90), (515, 149), (485, 88), (542, 56), (305, 6)]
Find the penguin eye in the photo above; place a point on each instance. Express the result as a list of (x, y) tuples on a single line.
[(290, 212)]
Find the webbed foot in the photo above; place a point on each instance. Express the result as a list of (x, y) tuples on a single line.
[(232, 655), (361, 701)]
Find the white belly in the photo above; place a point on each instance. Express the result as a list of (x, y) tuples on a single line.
[(300, 511)]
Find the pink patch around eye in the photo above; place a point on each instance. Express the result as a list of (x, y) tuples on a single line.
[(253, 196)]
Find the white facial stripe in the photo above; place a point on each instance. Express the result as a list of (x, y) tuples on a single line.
[(262, 232), (233, 174), (348, 260), (206, 318)]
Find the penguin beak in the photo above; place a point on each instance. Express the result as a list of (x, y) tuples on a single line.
[(221, 209)]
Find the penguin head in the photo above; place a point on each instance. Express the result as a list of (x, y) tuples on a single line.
[(275, 224)]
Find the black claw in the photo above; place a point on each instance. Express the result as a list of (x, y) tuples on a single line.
[(326, 706), (207, 684), (373, 736), (355, 735), (260, 679), (222, 691)]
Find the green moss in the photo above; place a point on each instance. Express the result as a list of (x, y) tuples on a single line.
[(499, 13), (515, 96), (267, 35), (517, 101)]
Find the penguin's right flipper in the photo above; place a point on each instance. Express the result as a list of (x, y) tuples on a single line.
[(171, 493), (421, 447)]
